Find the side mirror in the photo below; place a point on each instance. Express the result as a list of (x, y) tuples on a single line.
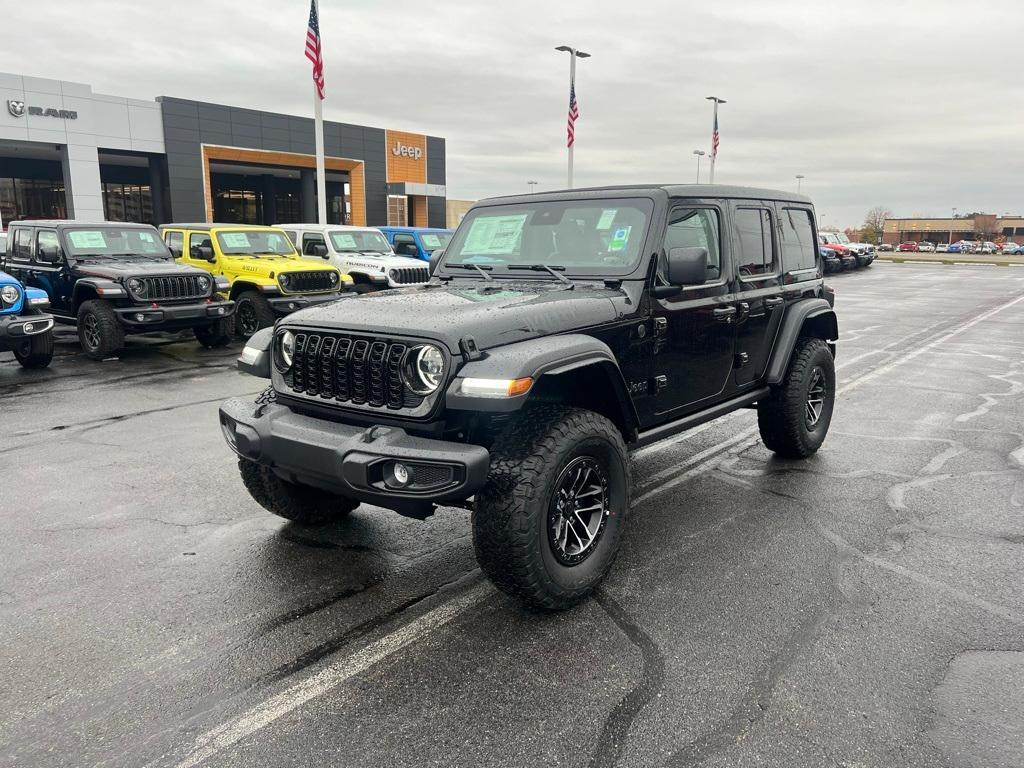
[(688, 266), (201, 252), (435, 259), (320, 249), (48, 254)]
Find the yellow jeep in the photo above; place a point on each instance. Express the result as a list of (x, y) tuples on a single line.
[(267, 275)]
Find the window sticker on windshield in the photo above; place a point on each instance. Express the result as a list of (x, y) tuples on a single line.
[(87, 239), (494, 235), (342, 240), (619, 239), (145, 237), (431, 241), (235, 239), (607, 217)]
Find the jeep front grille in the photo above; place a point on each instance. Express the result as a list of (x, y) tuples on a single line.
[(406, 275), (349, 369), (310, 282), (176, 287)]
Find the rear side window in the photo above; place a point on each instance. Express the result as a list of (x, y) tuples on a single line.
[(798, 251), (22, 244), (757, 253)]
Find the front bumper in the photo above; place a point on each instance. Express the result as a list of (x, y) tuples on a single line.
[(14, 329), (357, 462), (284, 305), (172, 316)]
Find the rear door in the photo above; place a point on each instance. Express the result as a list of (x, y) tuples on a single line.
[(759, 294)]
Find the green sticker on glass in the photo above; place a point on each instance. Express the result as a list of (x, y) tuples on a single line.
[(87, 239), (619, 239), (235, 239), (431, 241), (607, 217), (341, 240)]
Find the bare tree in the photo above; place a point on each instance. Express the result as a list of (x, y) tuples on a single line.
[(874, 223)]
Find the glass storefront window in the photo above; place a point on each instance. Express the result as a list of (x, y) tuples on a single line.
[(127, 202), (31, 199)]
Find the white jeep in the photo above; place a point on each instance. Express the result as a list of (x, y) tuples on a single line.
[(361, 252)]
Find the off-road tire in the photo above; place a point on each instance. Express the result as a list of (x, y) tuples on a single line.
[(216, 334), (782, 417), (260, 307), (299, 503), (362, 288), (511, 515), (36, 351), (109, 334)]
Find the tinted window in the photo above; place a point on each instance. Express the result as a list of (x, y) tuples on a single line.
[(174, 241), (22, 244), (309, 240), (797, 240), (754, 227), (47, 238), (695, 228), (406, 245)]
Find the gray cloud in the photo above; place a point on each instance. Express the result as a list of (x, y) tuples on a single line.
[(913, 105)]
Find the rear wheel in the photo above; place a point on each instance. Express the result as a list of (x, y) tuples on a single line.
[(547, 526), (794, 419), (99, 330), (216, 334), (36, 351), (301, 504), (252, 312)]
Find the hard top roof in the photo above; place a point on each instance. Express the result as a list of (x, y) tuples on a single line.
[(704, 191), (332, 227), (415, 229), (205, 226), (67, 223)]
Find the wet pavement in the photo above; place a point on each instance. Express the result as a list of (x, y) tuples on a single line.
[(862, 608)]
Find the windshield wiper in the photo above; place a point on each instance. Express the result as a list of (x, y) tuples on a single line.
[(549, 268), (478, 267)]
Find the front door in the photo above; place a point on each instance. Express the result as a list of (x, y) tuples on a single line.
[(694, 331), (758, 295)]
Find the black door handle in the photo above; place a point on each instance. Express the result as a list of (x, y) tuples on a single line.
[(725, 314), (773, 302)]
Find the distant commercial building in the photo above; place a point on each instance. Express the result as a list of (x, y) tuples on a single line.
[(457, 210), (67, 152), (980, 227)]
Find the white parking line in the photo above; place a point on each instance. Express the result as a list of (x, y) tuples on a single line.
[(263, 714)]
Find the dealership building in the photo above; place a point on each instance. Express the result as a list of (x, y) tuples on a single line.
[(978, 227), (67, 152)]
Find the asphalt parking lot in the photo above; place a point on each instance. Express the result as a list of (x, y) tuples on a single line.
[(863, 608)]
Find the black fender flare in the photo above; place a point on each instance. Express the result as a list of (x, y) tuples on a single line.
[(101, 287), (815, 315), (549, 356)]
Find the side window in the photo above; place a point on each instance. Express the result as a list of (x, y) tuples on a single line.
[(311, 239), (199, 238), (22, 244), (695, 228), (798, 250), (293, 236), (46, 240), (174, 241), (757, 254), (406, 245)]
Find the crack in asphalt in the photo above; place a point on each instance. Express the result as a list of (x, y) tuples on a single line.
[(615, 732)]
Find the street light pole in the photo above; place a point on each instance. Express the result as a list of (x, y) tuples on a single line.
[(951, 228), (714, 135), (799, 179), (699, 153), (574, 54), (532, 185)]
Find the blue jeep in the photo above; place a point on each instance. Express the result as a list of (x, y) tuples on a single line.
[(25, 329), (418, 242)]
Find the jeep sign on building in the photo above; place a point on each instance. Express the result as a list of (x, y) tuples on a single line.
[(66, 152)]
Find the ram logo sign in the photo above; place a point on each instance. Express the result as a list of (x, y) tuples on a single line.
[(18, 109)]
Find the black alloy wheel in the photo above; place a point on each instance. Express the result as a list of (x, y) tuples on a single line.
[(578, 511)]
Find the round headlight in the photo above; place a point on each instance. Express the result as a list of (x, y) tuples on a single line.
[(10, 294), (284, 280), (424, 369), (204, 283), (137, 286), (334, 278), (285, 350)]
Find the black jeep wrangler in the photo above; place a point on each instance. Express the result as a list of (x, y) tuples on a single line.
[(557, 331), (111, 278)]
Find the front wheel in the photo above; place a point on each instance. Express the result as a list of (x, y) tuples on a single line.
[(99, 330), (301, 504), (547, 525), (252, 312), (795, 417), (36, 351)]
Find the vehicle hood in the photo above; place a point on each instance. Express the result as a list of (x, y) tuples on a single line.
[(121, 269), (260, 265), (386, 260), (492, 313), (6, 279)]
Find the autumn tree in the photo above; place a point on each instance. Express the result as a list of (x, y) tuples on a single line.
[(874, 224)]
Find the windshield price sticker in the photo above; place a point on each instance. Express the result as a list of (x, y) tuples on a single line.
[(607, 217), (235, 239), (87, 239), (145, 237), (344, 241), (619, 239), (431, 241), (495, 235)]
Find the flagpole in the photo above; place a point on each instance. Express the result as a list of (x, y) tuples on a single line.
[(321, 175), (572, 87), (714, 127)]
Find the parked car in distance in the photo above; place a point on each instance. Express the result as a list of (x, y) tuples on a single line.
[(26, 329), (418, 242), (988, 247), (830, 260), (519, 375), (910, 246), (942, 248), (926, 247), (110, 279), (363, 253), (264, 273), (1010, 248), (885, 247)]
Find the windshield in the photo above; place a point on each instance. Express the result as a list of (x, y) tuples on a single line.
[(843, 238), (360, 240), (581, 235), (256, 241), (831, 237), (434, 240), (115, 241)]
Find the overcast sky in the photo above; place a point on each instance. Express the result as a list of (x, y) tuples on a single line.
[(915, 105)]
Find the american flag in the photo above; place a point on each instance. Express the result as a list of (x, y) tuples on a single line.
[(313, 52), (714, 138), (574, 113)]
